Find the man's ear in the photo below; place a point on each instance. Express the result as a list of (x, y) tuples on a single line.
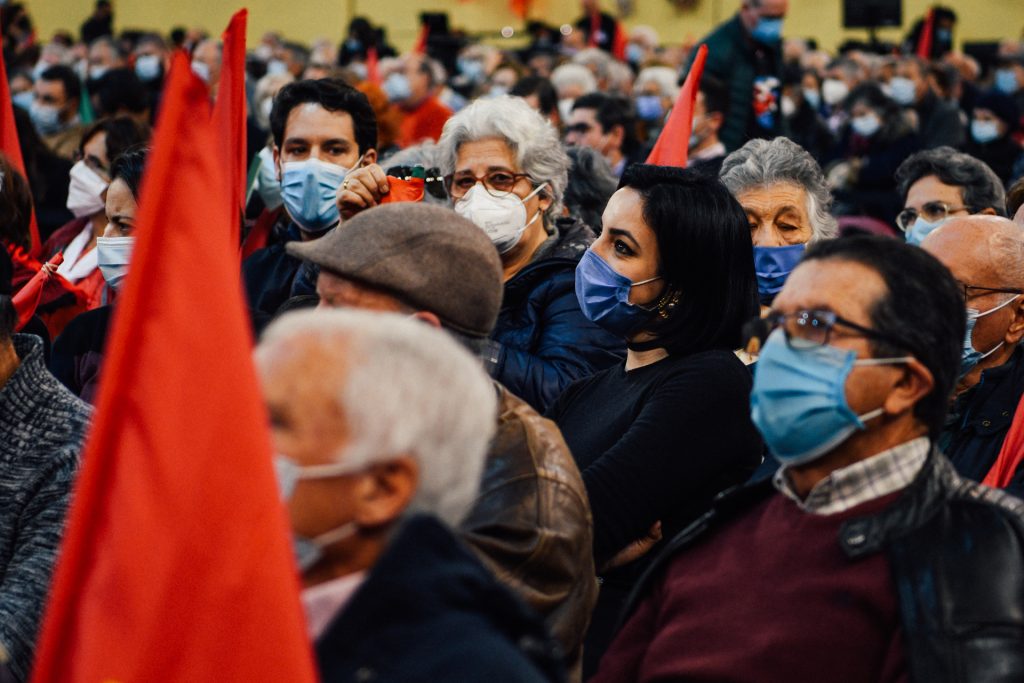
[(1016, 330), (428, 318), (987, 211), (715, 120), (616, 135), (370, 157), (915, 383), (386, 491)]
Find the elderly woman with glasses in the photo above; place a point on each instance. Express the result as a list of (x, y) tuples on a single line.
[(506, 171), (786, 199)]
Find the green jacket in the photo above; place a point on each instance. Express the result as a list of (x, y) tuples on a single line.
[(731, 61)]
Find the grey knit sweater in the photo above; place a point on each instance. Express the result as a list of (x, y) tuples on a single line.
[(42, 425)]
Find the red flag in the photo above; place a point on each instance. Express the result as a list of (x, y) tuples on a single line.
[(372, 70), (9, 145), (26, 301), (176, 563), (673, 145), (229, 117), (924, 41), (421, 43), (619, 42), (595, 29), (1010, 455), (403, 190)]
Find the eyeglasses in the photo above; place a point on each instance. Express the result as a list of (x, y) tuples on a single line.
[(931, 212), (92, 162), (497, 183), (808, 329), (985, 290)]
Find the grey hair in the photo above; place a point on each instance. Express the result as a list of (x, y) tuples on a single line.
[(980, 186), (595, 59), (568, 75), (532, 139), (407, 389), (620, 76), (763, 163), (665, 77)]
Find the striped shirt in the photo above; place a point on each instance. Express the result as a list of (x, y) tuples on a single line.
[(848, 487)]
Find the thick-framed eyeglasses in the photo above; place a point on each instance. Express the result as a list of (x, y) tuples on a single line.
[(497, 183), (972, 291), (806, 329), (931, 212)]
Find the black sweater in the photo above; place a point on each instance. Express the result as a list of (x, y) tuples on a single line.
[(658, 442)]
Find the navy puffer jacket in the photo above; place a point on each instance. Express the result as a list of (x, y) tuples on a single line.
[(542, 342)]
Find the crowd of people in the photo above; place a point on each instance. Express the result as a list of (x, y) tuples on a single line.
[(555, 413)]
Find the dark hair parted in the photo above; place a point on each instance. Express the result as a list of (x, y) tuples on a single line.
[(123, 132), (923, 307), (68, 78), (128, 167), (332, 94), (547, 98), (980, 186), (706, 258)]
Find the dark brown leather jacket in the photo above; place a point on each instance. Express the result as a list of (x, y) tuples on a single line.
[(531, 523)]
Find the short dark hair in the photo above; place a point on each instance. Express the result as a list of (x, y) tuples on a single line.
[(923, 308), (332, 94), (716, 95), (981, 187), (120, 89), (542, 88), (122, 132), (707, 257), (611, 111), (129, 166), (67, 76)]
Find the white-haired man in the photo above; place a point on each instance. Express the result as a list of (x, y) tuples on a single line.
[(381, 424)]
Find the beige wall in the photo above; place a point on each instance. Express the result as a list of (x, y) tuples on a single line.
[(306, 20)]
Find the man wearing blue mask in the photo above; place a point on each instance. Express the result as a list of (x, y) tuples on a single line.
[(322, 131), (54, 111), (746, 53), (866, 557), (940, 184), (986, 256), (381, 424)]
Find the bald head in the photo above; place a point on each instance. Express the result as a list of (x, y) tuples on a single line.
[(987, 251)]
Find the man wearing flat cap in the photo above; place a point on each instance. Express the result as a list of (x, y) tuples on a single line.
[(531, 523)]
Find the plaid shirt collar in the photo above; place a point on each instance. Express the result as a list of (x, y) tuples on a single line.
[(848, 487)]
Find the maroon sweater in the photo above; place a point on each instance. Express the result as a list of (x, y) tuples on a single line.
[(770, 597)]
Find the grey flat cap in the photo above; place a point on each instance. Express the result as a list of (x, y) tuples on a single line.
[(427, 256)]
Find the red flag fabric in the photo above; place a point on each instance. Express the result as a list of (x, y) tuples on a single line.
[(619, 42), (673, 145), (9, 145), (229, 116), (402, 190), (26, 301), (1010, 455), (520, 7), (421, 43), (924, 41), (176, 563), (372, 68)]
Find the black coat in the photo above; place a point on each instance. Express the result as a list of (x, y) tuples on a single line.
[(956, 552), (980, 419), (542, 340), (430, 612)]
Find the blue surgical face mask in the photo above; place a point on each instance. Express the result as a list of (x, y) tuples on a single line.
[(984, 131), (1006, 81), (969, 356), (309, 190), (24, 99), (635, 53), (309, 551), (648, 108), (866, 125), (767, 30), (812, 97), (148, 67), (921, 228), (772, 265), (798, 402), (112, 257), (397, 88), (45, 117), (473, 69), (604, 297), (903, 90)]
